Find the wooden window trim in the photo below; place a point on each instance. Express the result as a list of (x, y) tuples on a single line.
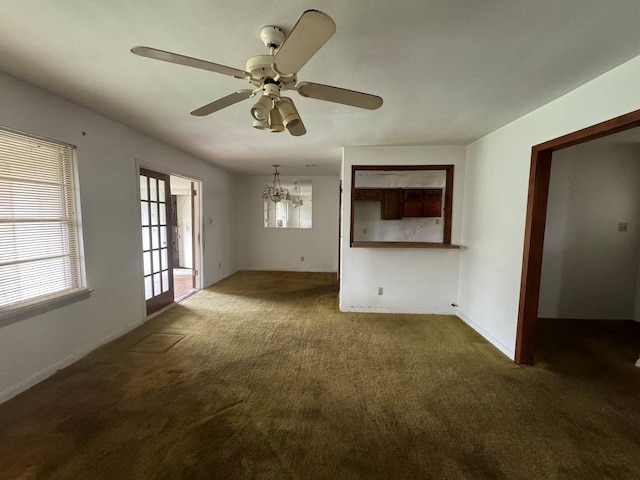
[(448, 206)]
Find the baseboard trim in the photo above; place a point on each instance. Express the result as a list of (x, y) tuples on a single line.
[(490, 338), (574, 317), (65, 362), (382, 309), (319, 270)]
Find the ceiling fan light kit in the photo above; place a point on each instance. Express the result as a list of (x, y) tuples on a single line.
[(260, 111), (277, 71), (275, 121), (288, 112), (261, 124)]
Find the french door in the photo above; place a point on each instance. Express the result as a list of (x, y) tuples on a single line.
[(155, 204)]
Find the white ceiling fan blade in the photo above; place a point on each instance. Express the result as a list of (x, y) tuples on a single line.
[(189, 61), (339, 95), (222, 103), (311, 32)]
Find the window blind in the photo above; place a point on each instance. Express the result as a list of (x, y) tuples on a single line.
[(40, 249)]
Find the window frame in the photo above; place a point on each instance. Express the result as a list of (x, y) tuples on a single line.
[(39, 304), (448, 207)]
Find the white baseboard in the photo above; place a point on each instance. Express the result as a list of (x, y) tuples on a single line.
[(65, 362), (490, 338), (382, 309)]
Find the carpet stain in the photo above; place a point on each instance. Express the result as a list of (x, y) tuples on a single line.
[(157, 343)]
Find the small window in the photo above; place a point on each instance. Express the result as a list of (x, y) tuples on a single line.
[(40, 248)]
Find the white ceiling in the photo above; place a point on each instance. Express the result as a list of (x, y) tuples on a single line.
[(449, 71)]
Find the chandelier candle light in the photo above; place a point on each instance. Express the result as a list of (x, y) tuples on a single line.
[(275, 192)]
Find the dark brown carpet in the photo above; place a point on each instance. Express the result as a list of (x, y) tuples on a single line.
[(271, 382)]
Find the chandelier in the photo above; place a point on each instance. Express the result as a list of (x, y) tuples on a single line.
[(275, 192), (296, 200)]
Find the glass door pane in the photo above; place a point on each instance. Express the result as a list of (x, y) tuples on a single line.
[(155, 197)]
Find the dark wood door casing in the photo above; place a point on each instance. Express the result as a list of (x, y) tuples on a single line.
[(539, 176)]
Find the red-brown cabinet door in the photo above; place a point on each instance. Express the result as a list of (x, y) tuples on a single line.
[(155, 205)]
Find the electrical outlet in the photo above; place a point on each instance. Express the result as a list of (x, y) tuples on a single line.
[(622, 226), (364, 231), (302, 259), (380, 290), (219, 265)]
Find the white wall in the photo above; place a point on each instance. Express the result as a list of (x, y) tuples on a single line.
[(260, 248), (33, 348), (589, 268), (414, 280), (495, 197), (369, 227)]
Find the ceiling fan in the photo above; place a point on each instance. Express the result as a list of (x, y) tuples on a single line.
[(274, 73)]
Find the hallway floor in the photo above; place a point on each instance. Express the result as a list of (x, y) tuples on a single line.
[(182, 282)]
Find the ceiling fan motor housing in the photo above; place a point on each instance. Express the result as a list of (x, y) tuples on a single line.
[(260, 69), (271, 89), (272, 36)]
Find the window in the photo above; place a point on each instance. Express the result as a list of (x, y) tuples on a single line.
[(401, 206), (293, 208), (40, 248)]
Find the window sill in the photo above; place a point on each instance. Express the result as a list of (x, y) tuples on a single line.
[(31, 308), (446, 246)]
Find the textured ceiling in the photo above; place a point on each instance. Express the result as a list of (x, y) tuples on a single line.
[(450, 71)]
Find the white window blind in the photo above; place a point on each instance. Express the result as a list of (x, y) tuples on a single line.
[(40, 248)]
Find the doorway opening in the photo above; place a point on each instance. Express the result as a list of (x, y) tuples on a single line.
[(185, 236), (171, 238), (539, 178)]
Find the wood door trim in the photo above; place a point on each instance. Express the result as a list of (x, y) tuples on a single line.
[(193, 235), (339, 231), (535, 224), (157, 302)]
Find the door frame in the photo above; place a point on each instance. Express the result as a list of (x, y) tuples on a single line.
[(198, 240), (159, 301), (539, 176), (194, 240)]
